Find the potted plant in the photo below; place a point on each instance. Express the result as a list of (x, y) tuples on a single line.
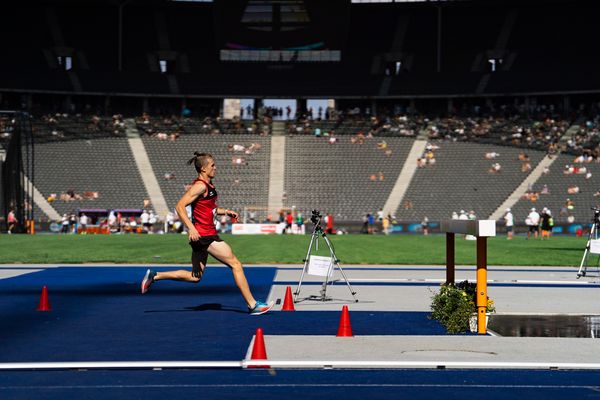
[(455, 305)]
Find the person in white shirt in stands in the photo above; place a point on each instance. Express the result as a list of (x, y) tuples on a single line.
[(532, 221), (145, 220), (152, 219), (65, 223), (169, 221), (83, 221), (510, 222)]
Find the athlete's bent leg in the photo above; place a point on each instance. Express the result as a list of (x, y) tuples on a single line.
[(222, 252)]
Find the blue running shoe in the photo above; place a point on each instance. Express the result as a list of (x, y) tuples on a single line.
[(261, 308), (148, 280)]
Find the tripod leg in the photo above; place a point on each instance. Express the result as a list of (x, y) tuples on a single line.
[(583, 266), (313, 238), (336, 261)]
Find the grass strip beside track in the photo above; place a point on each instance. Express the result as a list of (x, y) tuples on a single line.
[(259, 249)]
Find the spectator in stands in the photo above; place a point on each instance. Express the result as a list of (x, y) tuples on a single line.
[(463, 217), (281, 219), (131, 225), (545, 171), (239, 161), (72, 222), (454, 215), (381, 176), (83, 222), (491, 155), (112, 221), (380, 215), (523, 156), (252, 217), (169, 176), (370, 223), (545, 189), (169, 221), (570, 204), (289, 220), (236, 148), (145, 220), (64, 221), (365, 224), (532, 221), (425, 226), (546, 223), (408, 205), (385, 224), (526, 166), (510, 222), (495, 168), (12, 221), (254, 147), (329, 223), (573, 189)]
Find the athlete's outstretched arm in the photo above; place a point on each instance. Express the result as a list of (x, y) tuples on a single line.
[(188, 198), (228, 212)]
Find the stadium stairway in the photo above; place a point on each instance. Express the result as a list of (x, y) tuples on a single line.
[(529, 181), (40, 201), (276, 174), (278, 128), (406, 175), (143, 164)]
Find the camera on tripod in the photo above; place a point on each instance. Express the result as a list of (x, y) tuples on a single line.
[(596, 215), (315, 217)]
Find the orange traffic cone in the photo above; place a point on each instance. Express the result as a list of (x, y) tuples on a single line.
[(288, 301), (44, 303), (345, 330), (259, 352)]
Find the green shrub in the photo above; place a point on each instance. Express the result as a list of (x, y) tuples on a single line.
[(453, 307)]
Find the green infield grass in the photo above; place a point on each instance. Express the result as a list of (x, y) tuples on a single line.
[(287, 249)]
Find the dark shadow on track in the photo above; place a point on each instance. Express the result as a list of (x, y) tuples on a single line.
[(203, 307)]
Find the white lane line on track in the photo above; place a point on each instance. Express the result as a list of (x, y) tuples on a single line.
[(319, 364), (523, 281), (293, 385)]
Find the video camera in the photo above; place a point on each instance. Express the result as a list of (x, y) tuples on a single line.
[(315, 217), (596, 218)]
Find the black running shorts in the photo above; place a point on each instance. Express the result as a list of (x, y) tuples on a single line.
[(200, 247)]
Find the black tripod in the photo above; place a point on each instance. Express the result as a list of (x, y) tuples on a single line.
[(314, 240), (593, 235)]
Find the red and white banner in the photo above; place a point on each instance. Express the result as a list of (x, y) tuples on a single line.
[(257, 229)]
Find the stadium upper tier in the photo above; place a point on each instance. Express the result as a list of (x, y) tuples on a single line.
[(386, 50)]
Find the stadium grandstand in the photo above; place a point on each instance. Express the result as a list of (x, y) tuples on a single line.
[(409, 109)]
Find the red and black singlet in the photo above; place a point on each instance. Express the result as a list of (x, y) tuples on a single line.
[(204, 210)]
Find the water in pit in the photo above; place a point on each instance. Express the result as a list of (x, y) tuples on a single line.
[(580, 326)]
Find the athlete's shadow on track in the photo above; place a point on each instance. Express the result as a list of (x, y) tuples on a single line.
[(204, 307)]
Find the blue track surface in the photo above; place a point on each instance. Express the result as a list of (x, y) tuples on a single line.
[(99, 315), (301, 384)]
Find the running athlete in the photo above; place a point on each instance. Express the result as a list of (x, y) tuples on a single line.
[(203, 236)]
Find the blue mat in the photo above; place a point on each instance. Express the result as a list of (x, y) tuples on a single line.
[(98, 314)]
